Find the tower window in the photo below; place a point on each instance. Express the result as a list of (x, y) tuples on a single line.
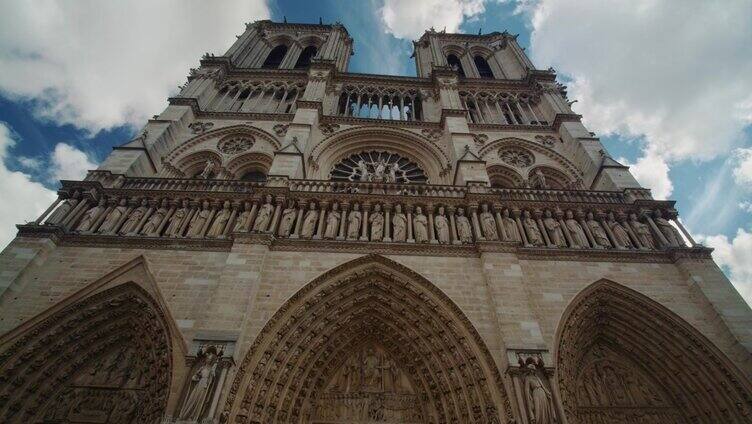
[(483, 68), (254, 176), (304, 60), (454, 62), (275, 57)]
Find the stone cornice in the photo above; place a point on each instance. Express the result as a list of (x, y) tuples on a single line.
[(565, 117)]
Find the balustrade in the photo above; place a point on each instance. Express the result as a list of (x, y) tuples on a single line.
[(502, 108), (380, 102), (257, 96)]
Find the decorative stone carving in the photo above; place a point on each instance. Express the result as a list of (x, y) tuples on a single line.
[(376, 219), (130, 226), (264, 216), (577, 233), (309, 222), (642, 231), (354, 221), (464, 230), (420, 226), (288, 220), (220, 221), (176, 221), (488, 223), (235, 145), (377, 167), (202, 381), (328, 129), (91, 216), (432, 134), (516, 157), (280, 129), (621, 237), (553, 228), (399, 223), (243, 222), (480, 140), (208, 171), (669, 231), (200, 127), (151, 227), (546, 140), (62, 211), (442, 227), (599, 234), (534, 235), (196, 227), (113, 217), (538, 398), (510, 226), (332, 222)]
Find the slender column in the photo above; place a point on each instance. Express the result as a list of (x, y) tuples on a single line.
[(165, 220), (298, 220), (72, 217), (657, 232), (121, 220), (364, 223), (322, 216), (409, 210), (187, 220), (500, 223), (683, 230), (230, 222), (387, 222), (586, 228), (560, 219), (252, 216), (453, 226), (343, 221), (47, 211), (537, 214), (431, 230), (142, 222), (100, 219), (277, 213), (476, 224), (602, 219), (523, 234), (208, 222), (624, 223)]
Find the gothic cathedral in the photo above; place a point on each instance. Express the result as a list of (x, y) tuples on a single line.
[(289, 242)]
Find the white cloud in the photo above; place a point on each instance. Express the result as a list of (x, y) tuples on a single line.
[(409, 19), (22, 199), (651, 171), (746, 206), (69, 163), (99, 64), (743, 169), (33, 164), (736, 256)]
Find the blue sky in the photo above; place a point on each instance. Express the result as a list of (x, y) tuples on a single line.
[(667, 85)]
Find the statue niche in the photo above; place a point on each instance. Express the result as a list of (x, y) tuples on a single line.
[(369, 387)]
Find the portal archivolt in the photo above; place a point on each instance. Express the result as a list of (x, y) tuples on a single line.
[(369, 341)]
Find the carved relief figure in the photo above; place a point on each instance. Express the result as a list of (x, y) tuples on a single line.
[(399, 222), (90, 216), (287, 220), (354, 220), (155, 220), (264, 216), (539, 400), (218, 226), (420, 226), (442, 226), (332, 222), (668, 230), (488, 223), (66, 206), (309, 222), (599, 234), (376, 219), (555, 233), (534, 235), (243, 223), (201, 384), (642, 231), (208, 171), (464, 231), (131, 224), (510, 225), (199, 220), (113, 217), (371, 371), (176, 221), (621, 237), (579, 239)]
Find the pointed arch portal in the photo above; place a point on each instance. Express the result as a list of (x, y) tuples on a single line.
[(622, 357), (369, 341)]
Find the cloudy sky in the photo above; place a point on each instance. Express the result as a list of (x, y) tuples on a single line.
[(666, 84)]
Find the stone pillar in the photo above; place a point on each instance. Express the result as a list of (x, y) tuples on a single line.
[(476, 224), (298, 220), (387, 222), (523, 234), (47, 211), (537, 214), (559, 215), (431, 229), (343, 221), (453, 226), (503, 236), (609, 233), (409, 211), (322, 215), (231, 221), (586, 229), (364, 222), (277, 212), (165, 220)]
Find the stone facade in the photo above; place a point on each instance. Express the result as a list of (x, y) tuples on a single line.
[(290, 242)]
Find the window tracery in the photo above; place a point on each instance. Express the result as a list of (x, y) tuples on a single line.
[(235, 144), (375, 166), (516, 157)]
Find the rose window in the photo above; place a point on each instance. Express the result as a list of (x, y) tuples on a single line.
[(378, 167), (233, 145), (516, 157)]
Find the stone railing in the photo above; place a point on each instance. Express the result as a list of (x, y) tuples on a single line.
[(379, 99)]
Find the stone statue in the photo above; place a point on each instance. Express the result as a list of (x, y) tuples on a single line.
[(199, 219), (599, 234), (399, 222), (420, 226), (642, 231), (577, 233), (621, 237), (152, 224), (488, 223), (113, 217), (669, 231), (555, 233), (332, 222), (379, 172), (371, 370), (442, 227), (130, 226), (540, 179), (464, 230), (539, 400), (243, 223), (287, 220), (534, 235), (309, 222), (208, 170), (376, 219), (393, 170), (201, 385), (62, 211), (363, 170), (176, 220), (91, 216), (354, 220), (217, 228), (264, 216), (510, 225)]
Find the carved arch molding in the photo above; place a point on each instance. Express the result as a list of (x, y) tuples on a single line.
[(623, 358), (369, 341), (104, 359)]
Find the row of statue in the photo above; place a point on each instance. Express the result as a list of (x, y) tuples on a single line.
[(442, 225)]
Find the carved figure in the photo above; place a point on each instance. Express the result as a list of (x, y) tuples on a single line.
[(199, 220), (464, 231), (539, 400), (113, 217), (371, 370), (208, 170), (243, 224), (540, 179), (176, 221), (154, 221), (218, 226), (642, 231), (62, 211), (555, 233), (131, 224), (363, 171), (577, 233), (510, 225), (399, 222), (534, 235), (488, 223), (668, 230), (442, 226), (201, 384), (621, 237), (90, 216), (420, 226), (332, 222), (264, 216), (599, 234), (354, 220), (376, 219), (287, 220), (309, 222)]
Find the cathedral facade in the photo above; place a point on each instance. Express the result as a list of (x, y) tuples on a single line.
[(289, 242)]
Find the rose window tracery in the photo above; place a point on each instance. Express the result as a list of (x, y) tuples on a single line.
[(375, 166), (234, 145), (516, 157)]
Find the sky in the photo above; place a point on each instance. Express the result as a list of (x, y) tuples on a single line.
[(665, 84)]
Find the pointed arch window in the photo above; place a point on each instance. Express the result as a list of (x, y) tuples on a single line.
[(304, 60), (483, 68), (275, 57), (454, 62)]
